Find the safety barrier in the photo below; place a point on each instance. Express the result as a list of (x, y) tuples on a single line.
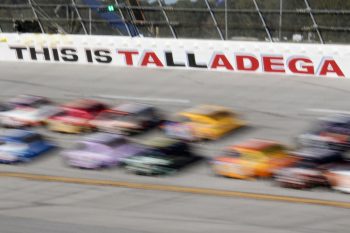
[(231, 56)]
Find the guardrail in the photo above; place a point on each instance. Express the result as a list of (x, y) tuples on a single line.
[(212, 55)]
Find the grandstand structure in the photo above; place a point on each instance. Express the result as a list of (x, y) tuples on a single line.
[(310, 21)]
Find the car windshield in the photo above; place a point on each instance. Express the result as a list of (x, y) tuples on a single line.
[(92, 147), (220, 115), (306, 164), (179, 119), (32, 138), (232, 153), (115, 142)]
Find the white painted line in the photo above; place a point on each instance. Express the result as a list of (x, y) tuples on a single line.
[(328, 110), (183, 101)]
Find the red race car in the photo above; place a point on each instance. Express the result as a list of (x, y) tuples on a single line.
[(76, 116)]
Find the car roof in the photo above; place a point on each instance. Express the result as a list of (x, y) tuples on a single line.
[(159, 142), (82, 104), (206, 110), (255, 144), (103, 137), (132, 107)]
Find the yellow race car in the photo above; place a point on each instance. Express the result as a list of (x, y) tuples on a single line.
[(204, 122), (253, 158)]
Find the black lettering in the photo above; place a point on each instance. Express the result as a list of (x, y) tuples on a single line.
[(88, 55), (56, 56), (102, 56), (34, 53), (19, 52), (69, 54), (170, 60), (192, 61)]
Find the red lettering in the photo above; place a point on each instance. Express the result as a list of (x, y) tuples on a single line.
[(220, 60), (151, 58), (301, 66), (128, 56), (242, 65), (273, 64), (330, 66)]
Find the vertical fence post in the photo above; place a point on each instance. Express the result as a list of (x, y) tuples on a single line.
[(280, 23)]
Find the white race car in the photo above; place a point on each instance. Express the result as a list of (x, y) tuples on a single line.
[(26, 117)]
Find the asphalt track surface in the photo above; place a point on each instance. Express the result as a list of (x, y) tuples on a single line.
[(276, 108)]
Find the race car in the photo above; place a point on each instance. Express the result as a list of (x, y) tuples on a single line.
[(26, 117), (25, 110), (204, 122), (338, 177), (127, 118), (76, 116), (161, 156), (100, 150), (309, 171), (335, 129), (22, 146), (252, 158)]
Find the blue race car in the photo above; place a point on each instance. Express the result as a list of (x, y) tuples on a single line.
[(22, 146)]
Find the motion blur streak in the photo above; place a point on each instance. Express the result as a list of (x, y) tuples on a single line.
[(179, 189)]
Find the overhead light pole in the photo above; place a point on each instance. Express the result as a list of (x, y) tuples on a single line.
[(226, 21)]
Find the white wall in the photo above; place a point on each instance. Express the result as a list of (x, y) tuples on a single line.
[(230, 56)]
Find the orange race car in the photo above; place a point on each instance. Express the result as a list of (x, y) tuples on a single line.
[(253, 158)]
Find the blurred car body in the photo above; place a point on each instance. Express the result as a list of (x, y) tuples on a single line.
[(100, 150), (127, 118), (28, 101), (339, 177), (76, 116), (25, 110), (253, 158), (161, 156), (22, 145), (203, 122), (309, 171), (335, 129), (26, 117)]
